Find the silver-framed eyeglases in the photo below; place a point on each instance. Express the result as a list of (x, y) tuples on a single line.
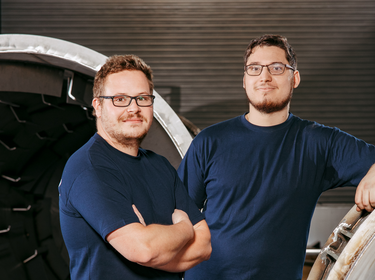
[(125, 100), (273, 68)]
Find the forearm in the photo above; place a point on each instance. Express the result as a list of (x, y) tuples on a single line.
[(194, 252), (163, 243), (152, 245)]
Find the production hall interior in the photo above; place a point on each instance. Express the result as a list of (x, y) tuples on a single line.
[(51, 50)]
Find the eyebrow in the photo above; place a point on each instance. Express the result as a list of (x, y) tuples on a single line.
[(142, 93), (258, 63)]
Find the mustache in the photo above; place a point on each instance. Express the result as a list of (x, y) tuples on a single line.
[(265, 85), (132, 116)]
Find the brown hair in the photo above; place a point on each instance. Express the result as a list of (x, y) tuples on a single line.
[(273, 40), (118, 63)]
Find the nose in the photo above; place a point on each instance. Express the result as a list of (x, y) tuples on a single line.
[(265, 76), (133, 106)]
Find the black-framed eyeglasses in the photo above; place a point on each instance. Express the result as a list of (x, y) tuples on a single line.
[(125, 100), (273, 68)]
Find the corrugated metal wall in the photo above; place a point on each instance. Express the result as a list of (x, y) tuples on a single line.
[(195, 49)]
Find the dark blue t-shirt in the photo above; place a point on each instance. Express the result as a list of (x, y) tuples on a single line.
[(98, 187), (261, 185)]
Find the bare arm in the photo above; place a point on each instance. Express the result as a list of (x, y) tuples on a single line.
[(153, 245), (365, 194), (194, 252)]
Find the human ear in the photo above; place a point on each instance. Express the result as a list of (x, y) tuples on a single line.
[(97, 106), (297, 79)]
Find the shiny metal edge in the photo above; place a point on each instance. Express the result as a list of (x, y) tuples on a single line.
[(34, 44)]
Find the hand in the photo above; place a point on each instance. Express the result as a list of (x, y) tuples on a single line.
[(365, 194), (139, 215), (179, 216)]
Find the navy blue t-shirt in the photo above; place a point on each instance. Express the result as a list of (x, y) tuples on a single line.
[(261, 185), (98, 187)]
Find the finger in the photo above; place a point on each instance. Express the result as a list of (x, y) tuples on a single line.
[(372, 200), (139, 215), (358, 199), (366, 200)]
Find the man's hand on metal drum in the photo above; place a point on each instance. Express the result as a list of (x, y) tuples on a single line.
[(365, 194)]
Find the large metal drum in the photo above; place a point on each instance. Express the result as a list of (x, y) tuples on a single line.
[(349, 252), (45, 115)]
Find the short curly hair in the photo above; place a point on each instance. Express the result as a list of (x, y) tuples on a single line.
[(117, 63), (272, 40)]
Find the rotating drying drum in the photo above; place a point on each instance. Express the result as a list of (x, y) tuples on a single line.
[(349, 252), (46, 115)]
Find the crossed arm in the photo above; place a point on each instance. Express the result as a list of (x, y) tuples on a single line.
[(173, 248), (365, 194)]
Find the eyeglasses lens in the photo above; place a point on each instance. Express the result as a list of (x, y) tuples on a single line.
[(274, 69), (123, 101)]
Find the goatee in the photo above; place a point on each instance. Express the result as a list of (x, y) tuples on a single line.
[(268, 106), (128, 142)]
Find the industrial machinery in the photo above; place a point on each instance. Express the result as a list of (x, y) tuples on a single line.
[(46, 115), (349, 252)]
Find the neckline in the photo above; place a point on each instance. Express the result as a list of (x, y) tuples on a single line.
[(266, 128)]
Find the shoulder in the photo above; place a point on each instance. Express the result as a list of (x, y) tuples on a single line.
[(219, 129), (315, 132), (89, 160), (79, 159), (216, 137), (93, 152), (313, 127)]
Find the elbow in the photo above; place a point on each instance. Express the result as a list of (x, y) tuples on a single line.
[(206, 254), (207, 248), (150, 257), (204, 242), (204, 251), (142, 255)]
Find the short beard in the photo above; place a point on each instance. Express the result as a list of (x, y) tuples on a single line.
[(129, 142), (126, 141), (269, 107)]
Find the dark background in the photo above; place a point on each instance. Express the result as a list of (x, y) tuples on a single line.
[(195, 49)]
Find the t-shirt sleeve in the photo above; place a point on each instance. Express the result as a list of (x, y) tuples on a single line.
[(191, 174), (100, 203), (185, 203), (349, 160)]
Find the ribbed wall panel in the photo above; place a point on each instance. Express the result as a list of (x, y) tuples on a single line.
[(198, 46)]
